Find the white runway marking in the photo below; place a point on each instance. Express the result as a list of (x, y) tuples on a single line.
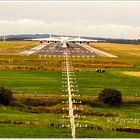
[(39, 47), (27, 52), (33, 50)]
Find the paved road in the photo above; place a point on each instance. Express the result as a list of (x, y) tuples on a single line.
[(74, 49), (33, 50)]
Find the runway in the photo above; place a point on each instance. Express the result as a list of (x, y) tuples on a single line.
[(54, 49)]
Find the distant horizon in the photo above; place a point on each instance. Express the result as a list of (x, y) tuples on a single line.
[(100, 19), (67, 35)]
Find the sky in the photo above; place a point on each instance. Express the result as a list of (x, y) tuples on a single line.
[(94, 19)]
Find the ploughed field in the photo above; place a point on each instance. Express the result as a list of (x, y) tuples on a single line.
[(37, 86)]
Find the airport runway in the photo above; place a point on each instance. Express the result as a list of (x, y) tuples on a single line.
[(54, 49)]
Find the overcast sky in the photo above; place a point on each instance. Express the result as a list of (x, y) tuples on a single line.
[(97, 19)]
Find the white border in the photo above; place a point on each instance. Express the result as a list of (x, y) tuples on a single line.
[(71, 1)]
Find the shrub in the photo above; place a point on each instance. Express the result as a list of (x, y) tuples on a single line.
[(6, 96), (110, 97)]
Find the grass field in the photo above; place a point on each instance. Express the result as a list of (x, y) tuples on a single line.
[(49, 82), (14, 131), (36, 125), (128, 53), (121, 50), (36, 82), (85, 133), (33, 75), (16, 46), (91, 83)]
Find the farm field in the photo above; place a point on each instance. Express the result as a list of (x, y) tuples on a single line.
[(37, 86)]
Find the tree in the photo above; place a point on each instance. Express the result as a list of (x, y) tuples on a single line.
[(110, 97), (6, 96)]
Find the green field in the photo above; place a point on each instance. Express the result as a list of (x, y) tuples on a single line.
[(91, 83), (128, 53), (37, 111), (16, 46), (14, 131), (33, 82), (50, 82), (36, 125)]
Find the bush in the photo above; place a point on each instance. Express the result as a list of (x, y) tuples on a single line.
[(110, 97), (6, 96), (33, 102), (39, 102)]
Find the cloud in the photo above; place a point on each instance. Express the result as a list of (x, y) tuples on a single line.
[(112, 31), (31, 26)]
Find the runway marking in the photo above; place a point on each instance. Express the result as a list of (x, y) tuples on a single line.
[(33, 50), (39, 47), (27, 52)]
